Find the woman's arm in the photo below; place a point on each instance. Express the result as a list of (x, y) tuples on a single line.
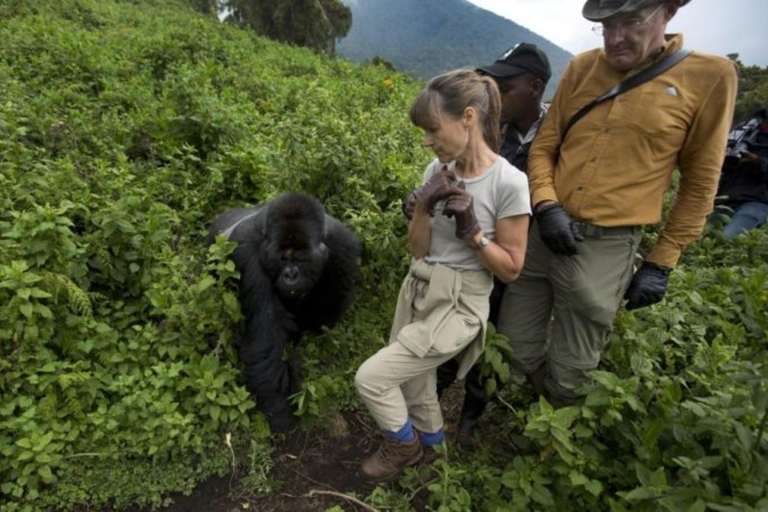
[(419, 231), (505, 256)]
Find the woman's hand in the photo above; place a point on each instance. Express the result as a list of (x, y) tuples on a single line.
[(460, 206), (439, 186)]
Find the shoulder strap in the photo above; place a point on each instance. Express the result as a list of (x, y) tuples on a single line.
[(630, 83)]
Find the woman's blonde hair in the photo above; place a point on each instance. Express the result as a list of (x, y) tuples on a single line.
[(451, 93)]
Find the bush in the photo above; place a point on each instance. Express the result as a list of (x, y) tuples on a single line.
[(124, 128)]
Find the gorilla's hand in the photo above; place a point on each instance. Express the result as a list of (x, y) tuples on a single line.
[(439, 187), (459, 205), (278, 412), (409, 205)]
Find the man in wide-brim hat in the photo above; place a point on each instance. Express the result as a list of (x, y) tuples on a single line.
[(596, 184)]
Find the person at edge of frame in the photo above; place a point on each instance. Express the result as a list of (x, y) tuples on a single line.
[(743, 190), (521, 73), (469, 221), (596, 187)]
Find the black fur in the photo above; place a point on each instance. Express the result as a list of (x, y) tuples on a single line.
[(298, 268)]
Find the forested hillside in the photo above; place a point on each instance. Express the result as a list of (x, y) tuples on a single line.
[(126, 125), (124, 128), (427, 37)]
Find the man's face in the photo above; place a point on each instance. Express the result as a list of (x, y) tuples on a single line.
[(518, 96), (630, 39)]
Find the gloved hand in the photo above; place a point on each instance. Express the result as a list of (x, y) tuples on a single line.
[(460, 206), (409, 205), (439, 186), (648, 286), (557, 229)]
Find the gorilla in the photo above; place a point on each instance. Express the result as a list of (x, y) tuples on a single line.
[(298, 267)]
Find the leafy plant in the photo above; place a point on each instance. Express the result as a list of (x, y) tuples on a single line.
[(125, 127)]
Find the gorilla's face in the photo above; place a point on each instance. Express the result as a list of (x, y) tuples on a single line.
[(295, 269), (293, 253)]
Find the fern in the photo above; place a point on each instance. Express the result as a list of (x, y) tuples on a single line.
[(77, 298), (65, 380), (103, 257), (72, 406), (47, 406)]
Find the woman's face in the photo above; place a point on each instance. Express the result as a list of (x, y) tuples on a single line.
[(449, 138)]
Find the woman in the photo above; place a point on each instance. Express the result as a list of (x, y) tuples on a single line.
[(469, 221)]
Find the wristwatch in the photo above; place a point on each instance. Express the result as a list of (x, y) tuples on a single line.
[(483, 242)]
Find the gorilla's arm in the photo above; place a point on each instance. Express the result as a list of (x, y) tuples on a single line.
[(267, 331), (334, 291)]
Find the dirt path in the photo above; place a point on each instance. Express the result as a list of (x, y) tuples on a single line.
[(315, 470)]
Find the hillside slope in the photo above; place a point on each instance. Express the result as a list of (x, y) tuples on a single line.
[(124, 128), (426, 37)]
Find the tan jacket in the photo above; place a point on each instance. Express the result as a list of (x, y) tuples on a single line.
[(616, 163), (443, 310)]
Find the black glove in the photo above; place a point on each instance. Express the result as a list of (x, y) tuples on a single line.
[(460, 205), (557, 230), (648, 286)]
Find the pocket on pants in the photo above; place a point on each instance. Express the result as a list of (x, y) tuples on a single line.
[(458, 331), (630, 270), (594, 280)]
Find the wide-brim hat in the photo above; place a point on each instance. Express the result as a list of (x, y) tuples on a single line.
[(598, 10)]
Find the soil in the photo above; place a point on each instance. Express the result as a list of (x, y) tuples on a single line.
[(314, 469)]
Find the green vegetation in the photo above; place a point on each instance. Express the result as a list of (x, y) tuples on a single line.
[(312, 23), (124, 128), (126, 125), (753, 89)]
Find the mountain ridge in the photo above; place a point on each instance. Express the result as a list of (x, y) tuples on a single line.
[(427, 37)]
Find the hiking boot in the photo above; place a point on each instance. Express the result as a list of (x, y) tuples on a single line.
[(537, 378), (392, 457), (465, 438)]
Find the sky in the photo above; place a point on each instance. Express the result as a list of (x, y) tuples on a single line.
[(719, 27)]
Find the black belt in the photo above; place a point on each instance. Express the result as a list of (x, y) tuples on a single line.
[(592, 231)]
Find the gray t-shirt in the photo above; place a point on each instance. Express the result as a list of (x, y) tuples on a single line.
[(500, 192)]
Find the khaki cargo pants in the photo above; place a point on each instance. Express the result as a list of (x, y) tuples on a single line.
[(581, 295), (440, 314)]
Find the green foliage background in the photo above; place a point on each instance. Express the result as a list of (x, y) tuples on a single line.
[(126, 125), (312, 23), (124, 128)]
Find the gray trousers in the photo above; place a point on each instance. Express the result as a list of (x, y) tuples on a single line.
[(581, 295)]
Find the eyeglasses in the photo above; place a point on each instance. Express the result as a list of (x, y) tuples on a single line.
[(624, 26)]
